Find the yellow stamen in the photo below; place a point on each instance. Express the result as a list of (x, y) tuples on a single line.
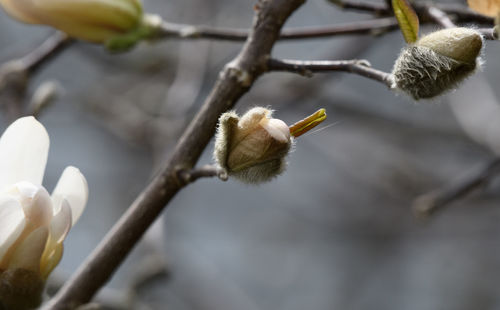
[(308, 123)]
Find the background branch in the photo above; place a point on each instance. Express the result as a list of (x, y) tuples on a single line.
[(440, 17), (49, 49), (15, 74), (459, 12), (427, 204), (374, 26)]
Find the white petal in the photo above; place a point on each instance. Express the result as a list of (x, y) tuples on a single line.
[(12, 223), (24, 147), (277, 129), (73, 187), (61, 223), (40, 211), (28, 254)]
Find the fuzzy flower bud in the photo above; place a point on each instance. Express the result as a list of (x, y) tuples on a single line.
[(437, 62), (33, 223), (252, 148), (92, 20)]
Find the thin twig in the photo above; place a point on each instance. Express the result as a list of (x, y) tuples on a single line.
[(440, 17), (427, 204), (207, 171), (364, 6), (49, 49), (374, 26), (462, 14), (233, 82), (307, 68), (15, 74), (488, 33)]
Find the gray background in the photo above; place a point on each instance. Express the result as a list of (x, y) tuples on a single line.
[(336, 231)]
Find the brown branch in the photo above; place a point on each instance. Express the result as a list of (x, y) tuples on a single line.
[(460, 13), (374, 26), (381, 9), (440, 17), (49, 49), (488, 33), (234, 81), (307, 68), (15, 74), (207, 171), (427, 204)]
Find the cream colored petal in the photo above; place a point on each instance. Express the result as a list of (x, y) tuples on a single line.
[(73, 187), (252, 118), (24, 147), (12, 223), (20, 9), (28, 254), (118, 15), (50, 258), (277, 129), (61, 223), (40, 211)]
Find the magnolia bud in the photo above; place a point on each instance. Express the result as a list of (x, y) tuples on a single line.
[(437, 62), (92, 20), (252, 148)]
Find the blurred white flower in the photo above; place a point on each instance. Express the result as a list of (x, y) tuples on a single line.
[(33, 224)]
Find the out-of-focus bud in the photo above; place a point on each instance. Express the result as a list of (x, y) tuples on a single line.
[(92, 20), (437, 62), (252, 148)]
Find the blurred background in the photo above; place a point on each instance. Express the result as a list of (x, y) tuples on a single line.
[(336, 231)]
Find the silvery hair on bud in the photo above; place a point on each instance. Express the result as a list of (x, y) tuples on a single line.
[(423, 73)]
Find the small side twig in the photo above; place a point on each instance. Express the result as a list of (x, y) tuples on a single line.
[(427, 204), (440, 17), (460, 12), (307, 68), (364, 6), (15, 74), (488, 33), (206, 171), (49, 49)]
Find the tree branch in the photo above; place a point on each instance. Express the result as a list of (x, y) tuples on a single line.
[(234, 81), (49, 49), (461, 13), (427, 204), (439, 17), (381, 9), (374, 26), (14, 74), (307, 68), (207, 171)]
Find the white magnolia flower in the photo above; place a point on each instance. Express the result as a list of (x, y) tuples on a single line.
[(33, 224)]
